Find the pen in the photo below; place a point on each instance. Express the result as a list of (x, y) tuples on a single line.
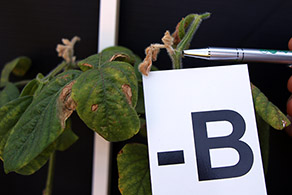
[(241, 55)]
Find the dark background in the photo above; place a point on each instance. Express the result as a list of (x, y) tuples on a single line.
[(33, 28)]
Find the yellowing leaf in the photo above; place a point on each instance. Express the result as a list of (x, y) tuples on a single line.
[(134, 174), (106, 98), (268, 111)]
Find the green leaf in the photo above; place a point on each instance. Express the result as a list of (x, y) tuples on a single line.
[(133, 167), (264, 137), (18, 66), (67, 138), (30, 88), (187, 37), (9, 93), (106, 98), (9, 115), (42, 122), (268, 111), (38, 162), (116, 53), (184, 24)]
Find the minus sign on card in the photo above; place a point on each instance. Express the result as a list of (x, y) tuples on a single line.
[(170, 157)]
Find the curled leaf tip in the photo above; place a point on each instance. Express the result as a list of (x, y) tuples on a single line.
[(205, 15), (153, 50), (114, 57), (151, 55), (167, 39)]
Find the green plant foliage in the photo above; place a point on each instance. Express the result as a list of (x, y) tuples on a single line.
[(41, 124), (268, 111), (184, 24), (67, 138), (9, 115), (192, 21), (30, 88), (18, 66), (109, 54), (37, 162), (106, 96), (9, 93), (133, 167)]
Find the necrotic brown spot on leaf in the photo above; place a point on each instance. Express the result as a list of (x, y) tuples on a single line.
[(116, 56), (88, 65), (66, 104), (94, 107), (128, 92)]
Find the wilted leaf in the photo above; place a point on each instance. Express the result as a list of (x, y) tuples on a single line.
[(10, 92), (18, 66), (9, 115), (116, 53), (268, 111), (106, 98), (41, 124), (134, 174), (264, 137), (67, 138)]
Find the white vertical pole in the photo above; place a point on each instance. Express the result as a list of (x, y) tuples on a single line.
[(108, 30)]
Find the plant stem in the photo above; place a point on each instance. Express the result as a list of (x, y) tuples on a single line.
[(176, 60), (184, 43), (191, 31), (50, 176)]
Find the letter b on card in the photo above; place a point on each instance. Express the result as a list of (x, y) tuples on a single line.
[(202, 132)]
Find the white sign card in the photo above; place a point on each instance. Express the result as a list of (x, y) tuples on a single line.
[(202, 133)]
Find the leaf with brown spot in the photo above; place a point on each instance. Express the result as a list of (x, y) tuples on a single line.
[(119, 57), (128, 92), (94, 107), (113, 87), (116, 53), (41, 123), (65, 103)]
